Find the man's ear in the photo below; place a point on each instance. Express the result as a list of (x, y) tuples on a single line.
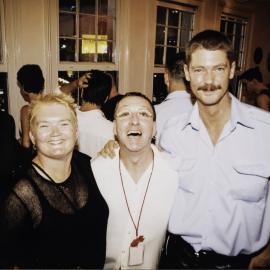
[(166, 78), (232, 70), (186, 72)]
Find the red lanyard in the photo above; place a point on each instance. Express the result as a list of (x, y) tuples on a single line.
[(138, 223)]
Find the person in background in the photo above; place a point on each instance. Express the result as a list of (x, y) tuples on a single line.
[(257, 93), (108, 107), (139, 187), (55, 216), (221, 215), (179, 99), (94, 129), (12, 160), (30, 80)]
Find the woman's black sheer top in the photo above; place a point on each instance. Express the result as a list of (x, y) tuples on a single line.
[(49, 225)]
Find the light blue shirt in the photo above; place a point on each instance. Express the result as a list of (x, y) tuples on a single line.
[(222, 202), (176, 103)]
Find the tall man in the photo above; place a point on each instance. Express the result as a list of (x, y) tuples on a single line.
[(178, 100), (221, 216), (138, 186)]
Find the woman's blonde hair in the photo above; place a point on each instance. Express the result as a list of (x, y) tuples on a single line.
[(52, 98)]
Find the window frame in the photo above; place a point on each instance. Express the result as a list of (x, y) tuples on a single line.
[(189, 8), (243, 40), (158, 69)]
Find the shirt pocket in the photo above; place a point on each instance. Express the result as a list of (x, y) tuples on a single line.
[(251, 182), (186, 171)]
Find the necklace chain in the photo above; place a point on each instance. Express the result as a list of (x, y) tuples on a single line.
[(59, 188)]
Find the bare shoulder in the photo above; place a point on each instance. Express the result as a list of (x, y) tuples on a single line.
[(25, 111)]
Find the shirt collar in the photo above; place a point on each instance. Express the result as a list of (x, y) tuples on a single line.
[(239, 115), (177, 94)]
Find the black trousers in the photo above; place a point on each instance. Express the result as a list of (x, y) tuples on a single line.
[(178, 254)]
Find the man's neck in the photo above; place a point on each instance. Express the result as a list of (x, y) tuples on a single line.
[(137, 163), (215, 117), (177, 86), (87, 106), (58, 169)]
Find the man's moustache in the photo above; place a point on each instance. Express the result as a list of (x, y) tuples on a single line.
[(209, 87)]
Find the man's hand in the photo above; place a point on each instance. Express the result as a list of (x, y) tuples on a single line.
[(83, 80), (109, 149), (262, 260)]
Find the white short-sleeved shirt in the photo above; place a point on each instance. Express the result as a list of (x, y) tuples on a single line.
[(176, 103), (94, 131), (223, 201), (155, 213)]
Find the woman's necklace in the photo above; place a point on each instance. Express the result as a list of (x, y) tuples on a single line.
[(59, 187)]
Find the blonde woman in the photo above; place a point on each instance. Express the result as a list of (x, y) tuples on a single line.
[(56, 216)]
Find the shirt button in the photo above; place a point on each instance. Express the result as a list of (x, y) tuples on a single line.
[(123, 251)]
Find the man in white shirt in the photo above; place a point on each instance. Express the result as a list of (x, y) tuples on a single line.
[(94, 129), (138, 186), (178, 100), (221, 215)]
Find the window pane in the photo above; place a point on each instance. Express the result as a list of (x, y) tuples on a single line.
[(67, 25), (103, 7), (67, 49), (172, 37), (87, 26), (222, 26), (87, 49), (161, 15), (160, 90), (185, 36), (106, 52), (88, 6), (105, 27), (170, 53), (3, 92), (159, 55), (173, 17), (67, 5), (186, 21), (160, 35), (230, 28)]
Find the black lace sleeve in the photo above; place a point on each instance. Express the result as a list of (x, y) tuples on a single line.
[(15, 223)]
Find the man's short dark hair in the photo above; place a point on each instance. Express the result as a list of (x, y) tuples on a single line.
[(138, 94), (210, 40), (250, 74), (175, 66), (98, 89), (31, 78)]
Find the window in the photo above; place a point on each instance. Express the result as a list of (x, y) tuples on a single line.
[(235, 29), (87, 30), (174, 28)]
